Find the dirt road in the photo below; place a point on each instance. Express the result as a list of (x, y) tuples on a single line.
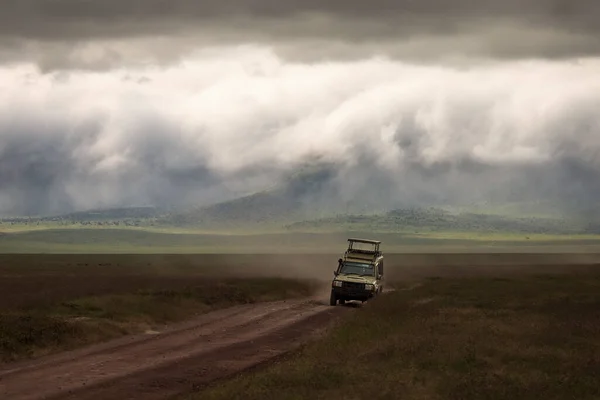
[(157, 365)]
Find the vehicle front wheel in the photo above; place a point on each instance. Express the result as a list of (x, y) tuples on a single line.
[(332, 299)]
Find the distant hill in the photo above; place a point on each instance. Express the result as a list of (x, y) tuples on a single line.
[(306, 194), (322, 197), (293, 208), (433, 219), (109, 214), (312, 199), (125, 216)]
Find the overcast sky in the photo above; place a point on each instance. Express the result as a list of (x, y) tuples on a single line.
[(111, 103), (102, 34)]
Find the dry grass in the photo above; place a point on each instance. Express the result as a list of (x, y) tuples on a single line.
[(59, 320), (28, 280), (479, 338)]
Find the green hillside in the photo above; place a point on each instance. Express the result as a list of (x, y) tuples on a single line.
[(140, 241), (111, 217), (438, 220), (110, 214)]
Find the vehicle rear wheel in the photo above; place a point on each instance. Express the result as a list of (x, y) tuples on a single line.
[(332, 299), (342, 301)]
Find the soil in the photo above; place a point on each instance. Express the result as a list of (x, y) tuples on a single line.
[(157, 365), (179, 358)]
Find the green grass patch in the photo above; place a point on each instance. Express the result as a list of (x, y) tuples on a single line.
[(69, 324), (155, 241), (496, 339)]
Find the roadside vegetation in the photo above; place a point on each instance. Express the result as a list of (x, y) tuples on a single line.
[(44, 324), (477, 338)]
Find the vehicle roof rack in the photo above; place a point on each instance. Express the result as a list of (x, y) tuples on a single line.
[(363, 254), (364, 241)]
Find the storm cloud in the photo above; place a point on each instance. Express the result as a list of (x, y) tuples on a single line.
[(183, 103), (233, 120), (89, 34)]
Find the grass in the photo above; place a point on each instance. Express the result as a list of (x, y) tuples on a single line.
[(45, 328), (478, 338), (435, 220), (161, 241)]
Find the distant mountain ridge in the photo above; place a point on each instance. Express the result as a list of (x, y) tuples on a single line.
[(318, 196), (312, 198), (305, 194)]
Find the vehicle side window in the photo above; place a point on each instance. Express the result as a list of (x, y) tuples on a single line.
[(380, 268)]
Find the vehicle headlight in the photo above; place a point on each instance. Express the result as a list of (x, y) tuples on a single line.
[(337, 283), (368, 286)]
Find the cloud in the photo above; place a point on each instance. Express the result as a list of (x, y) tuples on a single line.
[(96, 35), (71, 17), (234, 120)]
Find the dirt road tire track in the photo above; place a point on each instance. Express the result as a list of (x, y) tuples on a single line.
[(157, 366)]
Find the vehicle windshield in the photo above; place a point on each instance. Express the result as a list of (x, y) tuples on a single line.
[(356, 268)]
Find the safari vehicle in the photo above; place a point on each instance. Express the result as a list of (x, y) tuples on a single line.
[(359, 275)]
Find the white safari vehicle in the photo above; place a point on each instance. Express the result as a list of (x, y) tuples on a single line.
[(359, 275)]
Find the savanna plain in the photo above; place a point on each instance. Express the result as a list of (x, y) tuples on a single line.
[(449, 326)]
